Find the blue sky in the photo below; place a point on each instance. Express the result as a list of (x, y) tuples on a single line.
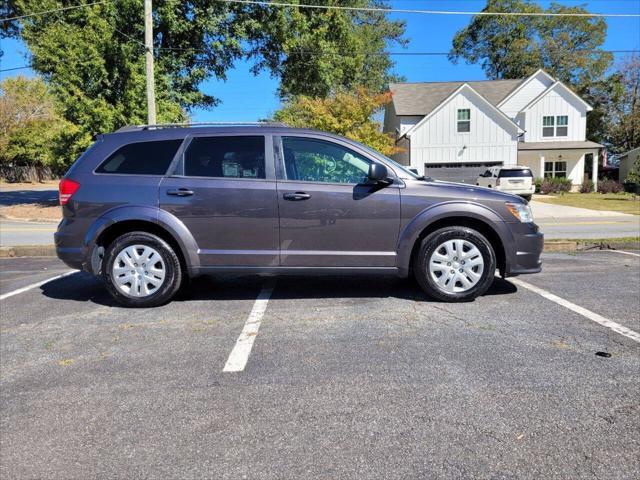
[(246, 97)]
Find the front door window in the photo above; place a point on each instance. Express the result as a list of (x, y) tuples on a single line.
[(312, 160)]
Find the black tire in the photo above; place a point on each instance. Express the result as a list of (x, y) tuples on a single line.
[(173, 271), (527, 197), (435, 239)]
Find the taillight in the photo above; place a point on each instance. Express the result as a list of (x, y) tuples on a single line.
[(67, 188)]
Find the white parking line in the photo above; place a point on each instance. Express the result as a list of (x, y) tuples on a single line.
[(240, 354), (622, 251), (605, 322), (35, 285)]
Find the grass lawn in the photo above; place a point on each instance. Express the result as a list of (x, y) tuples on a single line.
[(616, 202)]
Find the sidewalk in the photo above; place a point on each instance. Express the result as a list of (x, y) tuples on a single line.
[(548, 210)]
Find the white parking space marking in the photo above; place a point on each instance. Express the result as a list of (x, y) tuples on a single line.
[(622, 251), (605, 322), (35, 285), (240, 354)]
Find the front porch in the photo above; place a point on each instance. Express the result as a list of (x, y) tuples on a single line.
[(576, 161)]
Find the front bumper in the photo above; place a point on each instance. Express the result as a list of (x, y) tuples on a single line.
[(525, 255)]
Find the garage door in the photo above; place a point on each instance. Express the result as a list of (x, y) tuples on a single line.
[(457, 172)]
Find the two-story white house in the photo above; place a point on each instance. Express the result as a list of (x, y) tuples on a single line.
[(455, 130)]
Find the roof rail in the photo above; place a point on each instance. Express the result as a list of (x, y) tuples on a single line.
[(131, 128)]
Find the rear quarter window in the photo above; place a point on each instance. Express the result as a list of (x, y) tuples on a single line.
[(515, 173), (141, 158)]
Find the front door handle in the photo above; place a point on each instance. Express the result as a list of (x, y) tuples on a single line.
[(180, 192), (294, 197)]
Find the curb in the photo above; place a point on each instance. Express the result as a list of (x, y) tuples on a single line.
[(28, 251), (582, 245), (52, 221)]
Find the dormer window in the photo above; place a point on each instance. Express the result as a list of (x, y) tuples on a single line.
[(555, 126), (464, 120)]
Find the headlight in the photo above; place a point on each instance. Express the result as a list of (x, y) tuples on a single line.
[(521, 211)]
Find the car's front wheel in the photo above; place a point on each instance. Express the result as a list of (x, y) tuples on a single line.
[(141, 270), (455, 264)]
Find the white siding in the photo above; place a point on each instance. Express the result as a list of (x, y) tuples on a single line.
[(528, 92), (556, 102), (437, 140)]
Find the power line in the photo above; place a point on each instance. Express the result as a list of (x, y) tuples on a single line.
[(15, 68), (62, 9), (357, 9), (427, 12), (309, 52), (382, 53)]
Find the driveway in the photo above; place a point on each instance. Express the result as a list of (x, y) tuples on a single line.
[(346, 377)]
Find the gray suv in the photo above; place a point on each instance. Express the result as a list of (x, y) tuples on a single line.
[(147, 208)]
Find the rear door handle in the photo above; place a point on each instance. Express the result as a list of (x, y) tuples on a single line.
[(296, 196), (180, 192)]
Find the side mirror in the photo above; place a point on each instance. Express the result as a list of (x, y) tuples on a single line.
[(378, 173)]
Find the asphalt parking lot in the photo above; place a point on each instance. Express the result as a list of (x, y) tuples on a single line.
[(347, 378)]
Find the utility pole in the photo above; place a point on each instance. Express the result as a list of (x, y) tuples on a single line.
[(148, 45)]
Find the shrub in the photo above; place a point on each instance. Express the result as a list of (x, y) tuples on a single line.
[(632, 187), (538, 184), (609, 186), (586, 187), (555, 185)]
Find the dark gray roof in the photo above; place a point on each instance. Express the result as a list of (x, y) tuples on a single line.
[(557, 145), (423, 98)]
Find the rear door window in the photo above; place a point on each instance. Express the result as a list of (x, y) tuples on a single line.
[(226, 157), (141, 158), (516, 173)]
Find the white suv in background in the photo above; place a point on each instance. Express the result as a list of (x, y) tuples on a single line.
[(512, 179)]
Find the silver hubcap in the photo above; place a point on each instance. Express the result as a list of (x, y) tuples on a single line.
[(456, 266), (138, 271)]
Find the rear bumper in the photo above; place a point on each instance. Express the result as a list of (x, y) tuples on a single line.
[(524, 257), (518, 191), (67, 250)]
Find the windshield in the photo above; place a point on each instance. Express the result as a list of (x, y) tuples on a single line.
[(525, 172), (393, 163)]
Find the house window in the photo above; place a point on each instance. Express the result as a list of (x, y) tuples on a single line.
[(560, 169), (555, 169), (547, 126), (555, 126), (562, 122), (464, 120)]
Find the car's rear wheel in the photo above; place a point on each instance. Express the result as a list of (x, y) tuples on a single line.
[(455, 264), (141, 270)]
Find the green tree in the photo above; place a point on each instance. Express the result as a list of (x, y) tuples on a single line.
[(569, 48), (32, 132), (350, 114), (319, 52), (624, 106)]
